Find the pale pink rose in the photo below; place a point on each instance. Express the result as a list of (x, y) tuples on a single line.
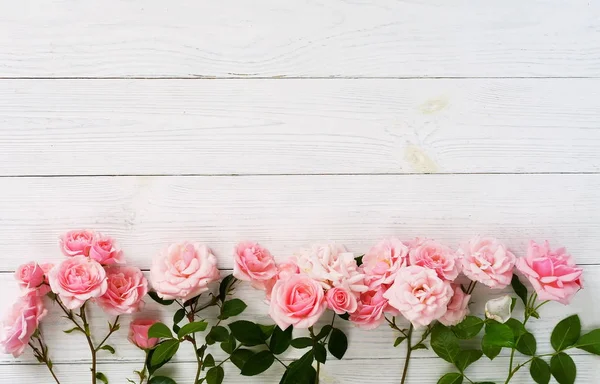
[(127, 286), (298, 301), (284, 271), (383, 261), (432, 255), (77, 280), (31, 279), (341, 301), (19, 324), (253, 263), (419, 294), (105, 250), (371, 309), (458, 307), (183, 271), (552, 273), (487, 261), (138, 333), (77, 243)]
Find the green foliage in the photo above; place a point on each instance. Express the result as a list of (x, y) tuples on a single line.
[(399, 340), (160, 301), (196, 326), (225, 287), (302, 342), (466, 358), (444, 343), (209, 361), (338, 343), (240, 356), (215, 375), (247, 332), (102, 377), (468, 328), (108, 348), (161, 380), (451, 378), (320, 353), (217, 333), (590, 342), (258, 363), (563, 368), (280, 340), (164, 352), (160, 330), (498, 335), (232, 308), (519, 289), (526, 344), (300, 371), (566, 333), (178, 316), (539, 371)]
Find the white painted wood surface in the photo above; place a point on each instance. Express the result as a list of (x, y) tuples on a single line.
[(416, 117)]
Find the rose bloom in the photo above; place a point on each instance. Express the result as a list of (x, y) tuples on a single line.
[(253, 263), (420, 295), (77, 280), (552, 273), (32, 278), (383, 261), (499, 309), (487, 261), (19, 324), (138, 333), (183, 271), (284, 271), (76, 243), (432, 255), (105, 250), (298, 301), (341, 300), (127, 286), (371, 308), (458, 307)]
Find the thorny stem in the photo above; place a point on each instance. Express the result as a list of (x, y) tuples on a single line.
[(408, 353), (393, 325), (43, 356), (113, 328), (88, 337)]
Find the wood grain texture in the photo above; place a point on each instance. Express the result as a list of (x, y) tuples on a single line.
[(308, 38), (116, 127)]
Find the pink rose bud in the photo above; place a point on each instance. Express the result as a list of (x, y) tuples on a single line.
[(432, 255), (253, 263), (77, 243), (20, 323), (381, 264), (341, 300), (458, 307), (127, 286), (31, 278), (183, 271), (105, 250), (297, 301), (371, 309), (552, 273), (138, 333), (77, 280), (487, 261)]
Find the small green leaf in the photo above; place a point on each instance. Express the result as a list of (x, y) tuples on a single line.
[(267, 330), (345, 316), (240, 356), (229, 345), (499, 335), (324, 332), (539, 371), (320, 353), (218, 333), (232, 308), (590, 342), (102, 377), (160, 330), (513, 302), (215, 375), (451, 378), (161, 380), (281, 340), (108, 348), (196, 326), (399, 340), (178, 316), (160, 301), (300, 370), (468, 328), (209, 361), (359, 260), (302, 342), (519, 289), (74, 329), (444, 343), (491, 351), (338, 343), (566, 333), (526, 344), (466, 358), (164, 351), (419, 346), (225, 286), (563, 368), (517, 327), (258, 363), (247, 332)]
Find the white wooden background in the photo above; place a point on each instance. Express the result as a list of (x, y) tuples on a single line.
[(290, 122)]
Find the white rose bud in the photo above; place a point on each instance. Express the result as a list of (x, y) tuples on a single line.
[(499, 309)]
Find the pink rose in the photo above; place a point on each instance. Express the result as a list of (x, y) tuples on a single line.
[(432, 255), (183, 271), (76, 243), (253, 263), (553, 274), (458, 307), (383, 261), (127, 286), (32, 279), (487, 261), (420, 295), (341, 301), (297, 301), (371, 309), (77, 280), (138, 333), (284, 271), (20, 323), (105, 250)]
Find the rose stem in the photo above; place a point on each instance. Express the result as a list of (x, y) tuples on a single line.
[(88, 337), (408, 352), (44, 357)]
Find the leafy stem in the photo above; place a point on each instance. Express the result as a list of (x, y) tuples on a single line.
[(423, 337), (112, 328), (41, 355), (409, 350)]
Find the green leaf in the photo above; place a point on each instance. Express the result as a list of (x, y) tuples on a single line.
[(219, 333), (229, 345), (399, 340), (215, 375), (499, 335), (519, 289), (240, 356), (590, 342), (267, 330), (300, 370), (359, 260), (468, 328), (225, 286), (302, 342), (164, 351), (320, 353), (466, 358), (513, 303), (566, 333), (451, 378), (209, 361), (160, 301), (108, 348), (102, 377), (517, 327), (539, 371), (153, 367), (247, 332), (324, 332), (161, 380), (178, 316), (232, 308), (281, 340), (345, 316), (160, 330), (74, 329), (258, 363), (444, 343), (338, 343), (527, 344), (563, 368), (491, 351), (419, 346), (196, 326)]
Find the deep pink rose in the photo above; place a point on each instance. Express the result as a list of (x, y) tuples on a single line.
[(383, 261), (458, 307), (32, 279), (76, 243), (552, 273), (138, 333), (105, 250), (127, 286), (419, 294), (341, 300), (253, 263), (432, 255), (371, 309), (183, 271), (20, 323), (77, 280), (487, 261), (298, 301)]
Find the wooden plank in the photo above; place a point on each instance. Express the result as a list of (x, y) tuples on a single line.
[(117, 127), (270, 38)]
